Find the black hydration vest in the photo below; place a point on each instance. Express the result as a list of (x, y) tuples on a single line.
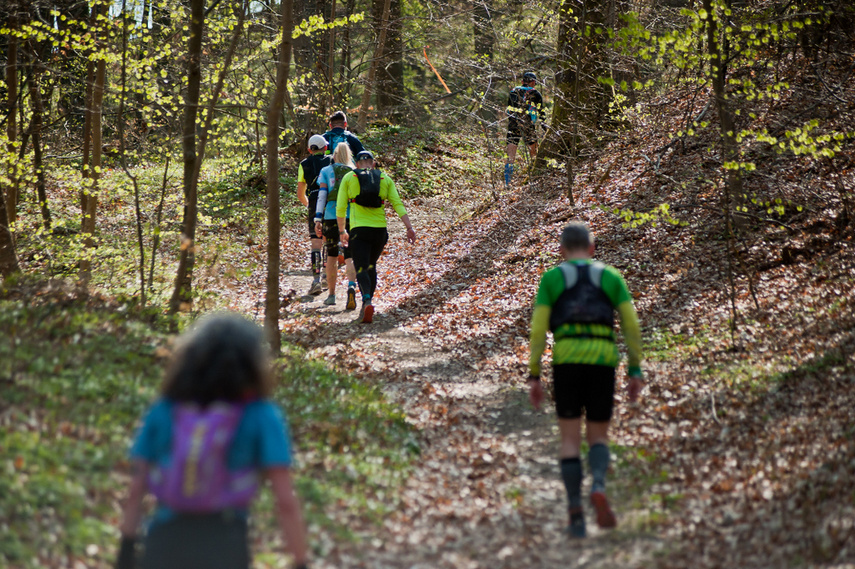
[(312, 167), (583, 300), (369, 188)]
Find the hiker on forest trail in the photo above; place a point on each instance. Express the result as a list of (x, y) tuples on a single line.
[(338, 133), (525, 108), (326, 224), (576, 301), (308, 174), (366, 190), (203, 448)]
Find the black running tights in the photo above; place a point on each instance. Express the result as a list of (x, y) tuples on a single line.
[(366, 245)]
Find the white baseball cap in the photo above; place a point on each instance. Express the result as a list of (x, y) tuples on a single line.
[(318, 141)]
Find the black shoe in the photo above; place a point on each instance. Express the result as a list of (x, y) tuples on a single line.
[(576, 529)]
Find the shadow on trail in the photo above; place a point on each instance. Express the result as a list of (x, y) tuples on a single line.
[(456, 279)]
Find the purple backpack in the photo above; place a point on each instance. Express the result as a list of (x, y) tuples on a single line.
[(196, 478)]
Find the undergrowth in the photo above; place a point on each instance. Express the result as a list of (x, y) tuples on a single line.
[(77, 374)]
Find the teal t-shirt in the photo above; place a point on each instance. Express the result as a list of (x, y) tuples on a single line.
[(261, 440)]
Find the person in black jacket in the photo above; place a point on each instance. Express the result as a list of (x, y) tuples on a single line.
[(338, 133), (307, 192)]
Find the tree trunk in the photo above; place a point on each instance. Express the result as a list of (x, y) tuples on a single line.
[(718, 50), (330, 76), (343, 90), (36, 128), (87, 121), (323, 46), (11, 189), (274, 111), (482, 29), (8, 255), (308, 59), (390, 93), (372, 69), (72, 83), (88, 225), (182, 295), (580, 101), (120, 120)]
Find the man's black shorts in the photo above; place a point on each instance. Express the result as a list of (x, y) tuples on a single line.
[(582, 386), (310, 213), (332, 237), (521, 129)]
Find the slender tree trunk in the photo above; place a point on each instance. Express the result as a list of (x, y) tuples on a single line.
[(580, 101), (372, 69), (718, 48), (390, 82), (144, 77), (193, 157), (89, 215), (11, 189), (8, 255), (87, 121), (158, 217), (307, 60), (322, 48), (344, 69), (330, 77), (482, 29), (182, 294), (36, 128), (274, 111), (72, 84), (120, 120)]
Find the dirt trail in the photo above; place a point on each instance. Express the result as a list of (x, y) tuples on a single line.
[(485, 492)]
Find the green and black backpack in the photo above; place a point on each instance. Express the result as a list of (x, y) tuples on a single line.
[(369, 188), (340, 170)]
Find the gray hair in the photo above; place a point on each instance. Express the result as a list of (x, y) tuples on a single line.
[(576, 235)]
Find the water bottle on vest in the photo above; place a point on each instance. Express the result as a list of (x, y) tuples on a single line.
[(197, 479)]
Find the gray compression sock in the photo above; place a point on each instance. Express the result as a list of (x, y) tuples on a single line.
[(598, 460)]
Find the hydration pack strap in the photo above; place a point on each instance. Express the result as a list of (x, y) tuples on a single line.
[(571, 274)]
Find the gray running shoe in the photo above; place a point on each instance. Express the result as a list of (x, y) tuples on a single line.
[(330, 301), (316, 288)]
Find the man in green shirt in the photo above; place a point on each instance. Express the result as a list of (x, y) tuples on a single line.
[(576, 302), (367, 190)]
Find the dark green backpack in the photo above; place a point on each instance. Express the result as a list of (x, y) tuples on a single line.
[(340, 170)]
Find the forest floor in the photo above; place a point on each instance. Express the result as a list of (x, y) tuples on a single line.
[(740, 453)]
